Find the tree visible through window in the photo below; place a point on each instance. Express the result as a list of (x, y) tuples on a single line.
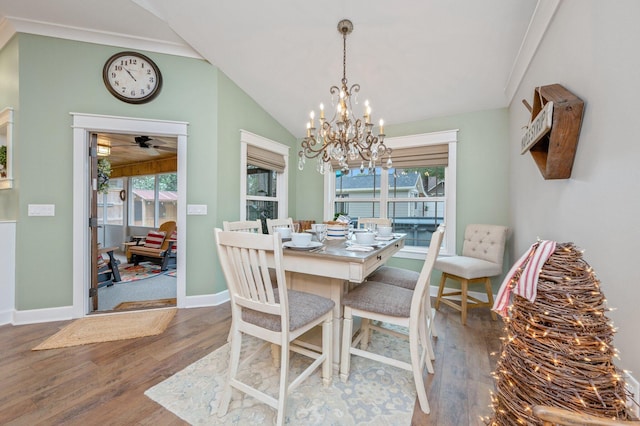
[(153, 199)]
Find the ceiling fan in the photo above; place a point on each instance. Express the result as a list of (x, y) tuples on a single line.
[(145, 142)]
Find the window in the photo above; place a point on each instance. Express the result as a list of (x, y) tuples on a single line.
[(153, 199), (264, 178), (110, 205), (417, 194)]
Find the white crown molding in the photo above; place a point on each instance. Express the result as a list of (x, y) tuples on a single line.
[(10, 25), (540, 20), (6, 32)]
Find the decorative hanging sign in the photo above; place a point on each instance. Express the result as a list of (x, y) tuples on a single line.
[(537, 128), (552, 135)]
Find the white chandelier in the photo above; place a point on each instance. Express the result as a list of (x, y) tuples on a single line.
[(344, 139)]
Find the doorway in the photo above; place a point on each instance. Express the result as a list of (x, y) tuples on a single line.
[(136, 194), (83, 126)]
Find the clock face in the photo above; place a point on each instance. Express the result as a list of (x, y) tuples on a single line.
[(132, 77)]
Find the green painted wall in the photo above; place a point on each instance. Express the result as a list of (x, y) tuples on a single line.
[(57, 77), (9, 80), (482, 170), (237, 111)]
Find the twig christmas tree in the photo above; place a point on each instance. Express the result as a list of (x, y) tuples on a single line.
[(558, 349)]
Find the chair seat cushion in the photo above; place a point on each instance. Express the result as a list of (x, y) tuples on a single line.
[(400, 277), (381, 298), (467, 267), (303, 308)]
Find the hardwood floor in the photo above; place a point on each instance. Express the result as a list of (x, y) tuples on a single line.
[(104, 383)]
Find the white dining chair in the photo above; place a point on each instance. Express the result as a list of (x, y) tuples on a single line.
[(274, 223), (405, 278), (275, 315), (254, 226), (393, 305), (378, 221)]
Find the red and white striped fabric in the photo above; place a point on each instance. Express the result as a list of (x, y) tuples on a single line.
[(154, 239), (174, 236), (530, 265)]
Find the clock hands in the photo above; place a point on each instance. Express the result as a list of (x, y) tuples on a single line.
[(130, 75)]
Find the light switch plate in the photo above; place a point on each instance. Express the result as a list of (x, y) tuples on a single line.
[(41, 210), (196, 209)]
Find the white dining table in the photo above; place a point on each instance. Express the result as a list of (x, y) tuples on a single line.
[(330, 270)]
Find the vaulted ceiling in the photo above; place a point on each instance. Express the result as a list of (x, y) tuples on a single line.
[(414, 59)]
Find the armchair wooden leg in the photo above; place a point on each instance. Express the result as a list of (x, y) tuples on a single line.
[(443, 279), (464, 287), (487, 286)]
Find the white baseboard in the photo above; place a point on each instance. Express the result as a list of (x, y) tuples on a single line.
[(34, 316), (206, 300), (433, 291), (66, 312)]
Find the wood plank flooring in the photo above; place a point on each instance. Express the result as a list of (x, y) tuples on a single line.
[(104, 383)]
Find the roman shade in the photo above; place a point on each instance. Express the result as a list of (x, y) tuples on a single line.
[(404, 158), (265, 159), (420, 156)]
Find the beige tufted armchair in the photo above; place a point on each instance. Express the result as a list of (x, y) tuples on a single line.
[(482, 253)]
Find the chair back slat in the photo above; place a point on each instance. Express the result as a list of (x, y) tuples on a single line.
[(254, 226), (424, 279), (273, 223), (244, 262), (380, 221)]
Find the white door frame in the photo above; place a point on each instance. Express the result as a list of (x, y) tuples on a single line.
[(82, 125)]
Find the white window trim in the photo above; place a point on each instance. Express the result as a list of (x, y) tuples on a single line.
[(434, 138), (282, 186)]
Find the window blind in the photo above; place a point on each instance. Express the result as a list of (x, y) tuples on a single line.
[(265, 159), (421, 156)]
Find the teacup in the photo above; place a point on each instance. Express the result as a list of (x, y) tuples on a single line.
[(365, 238), (285, 231), (301, 239), (384, 231)]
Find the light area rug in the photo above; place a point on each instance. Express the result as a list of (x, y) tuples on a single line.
[(375, 394), (108, 328)]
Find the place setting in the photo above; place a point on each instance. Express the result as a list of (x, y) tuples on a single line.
[(310, 239)]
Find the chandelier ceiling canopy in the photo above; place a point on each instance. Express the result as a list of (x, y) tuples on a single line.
[(347, 138)]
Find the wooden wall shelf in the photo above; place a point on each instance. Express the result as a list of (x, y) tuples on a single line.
[(555, 151)]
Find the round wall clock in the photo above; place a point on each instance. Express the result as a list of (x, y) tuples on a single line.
[(132, 77)]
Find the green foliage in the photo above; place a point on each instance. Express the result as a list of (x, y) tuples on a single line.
[(104, 173), (3, 155), (166, 182)]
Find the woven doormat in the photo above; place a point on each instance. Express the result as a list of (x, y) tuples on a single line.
[(108, 328), (146, 304)]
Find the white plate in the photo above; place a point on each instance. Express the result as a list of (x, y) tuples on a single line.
[(311, 246)]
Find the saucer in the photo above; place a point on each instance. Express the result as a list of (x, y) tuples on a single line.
[(311, 246)]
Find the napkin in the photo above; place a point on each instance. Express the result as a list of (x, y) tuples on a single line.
[(357, 247)]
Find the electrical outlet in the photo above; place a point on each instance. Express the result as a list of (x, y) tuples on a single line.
[(633, 400)]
